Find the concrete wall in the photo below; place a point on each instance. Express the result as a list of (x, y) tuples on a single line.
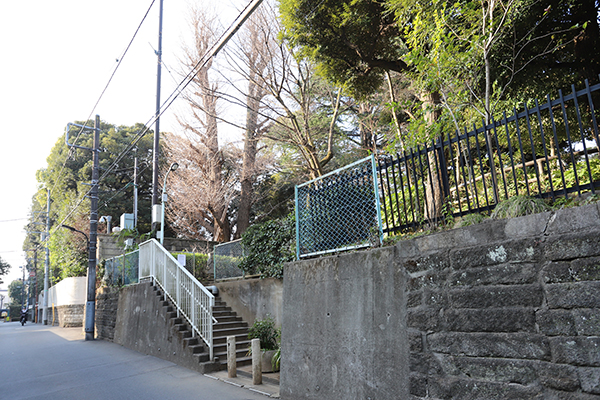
[(68, 297), (505, 309), (254, 298)]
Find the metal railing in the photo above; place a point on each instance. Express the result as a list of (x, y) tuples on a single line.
[(122, 270), (191, 299), (549, 150), (226, 259), (339, 211)]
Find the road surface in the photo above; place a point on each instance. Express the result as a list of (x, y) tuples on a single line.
[(52, 363)]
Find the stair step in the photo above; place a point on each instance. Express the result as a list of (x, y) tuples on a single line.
[(222, 347), (196, 348), (191, 341), (181, 327), (233, 324), (239, 361), (239, 338), (230, 331), (202, 357), (229, 318)]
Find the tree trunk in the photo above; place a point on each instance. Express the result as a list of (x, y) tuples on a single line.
[(433, 194)]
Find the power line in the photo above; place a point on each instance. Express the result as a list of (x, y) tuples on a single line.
[(120, 61)]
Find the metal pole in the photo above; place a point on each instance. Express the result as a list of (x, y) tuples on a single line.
[(90, 306), (47, 265), (157, 123)]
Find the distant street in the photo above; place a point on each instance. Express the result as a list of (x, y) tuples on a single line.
[(51, 363)]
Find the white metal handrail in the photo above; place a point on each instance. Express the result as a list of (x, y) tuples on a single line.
[(192, 300)]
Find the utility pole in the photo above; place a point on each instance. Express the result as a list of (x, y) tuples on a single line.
[(155, 154), (90, 305), (135, 190), (47, 265)]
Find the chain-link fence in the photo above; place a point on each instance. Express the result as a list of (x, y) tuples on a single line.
[(339, 211), (122, 270), (226, 258)]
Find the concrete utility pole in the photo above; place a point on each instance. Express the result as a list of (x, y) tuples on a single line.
[(90, 305), (155, 153), (47, 265)]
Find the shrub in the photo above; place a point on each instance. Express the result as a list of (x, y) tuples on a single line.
[(267, 246), (266, 332), (518, 206)]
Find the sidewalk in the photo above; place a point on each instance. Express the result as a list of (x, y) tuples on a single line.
[(269, 387)]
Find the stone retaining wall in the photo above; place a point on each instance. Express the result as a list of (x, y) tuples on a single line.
[(505, 309), (107, 301)]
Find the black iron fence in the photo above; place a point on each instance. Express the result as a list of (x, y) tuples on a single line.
[(549, 150)]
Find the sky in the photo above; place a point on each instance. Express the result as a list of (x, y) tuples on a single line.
[(56, 57)]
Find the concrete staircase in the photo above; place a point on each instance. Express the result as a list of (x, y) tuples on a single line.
[(229, 324)]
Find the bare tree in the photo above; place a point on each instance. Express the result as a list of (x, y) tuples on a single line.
[(204, 186)]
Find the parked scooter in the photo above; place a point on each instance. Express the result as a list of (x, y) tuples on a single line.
[(23, 317)]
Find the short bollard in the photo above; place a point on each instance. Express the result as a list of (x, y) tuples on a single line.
[(256, 362), (231, 362)]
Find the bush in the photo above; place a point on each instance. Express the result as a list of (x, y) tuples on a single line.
[(266, 332), (267, 246), (196, 264), (517, 206)]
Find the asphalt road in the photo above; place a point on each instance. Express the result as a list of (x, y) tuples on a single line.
[(51, 363)]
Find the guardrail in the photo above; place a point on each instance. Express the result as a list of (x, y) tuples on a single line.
[(191, 299)]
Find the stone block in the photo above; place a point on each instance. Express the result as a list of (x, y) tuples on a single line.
[(503, 345), (424, 319), (423, 279), (508, 319), (497, 296), (559, 376), (515, 251), (582, 218), (576, 350), (507, 370), (457, 388), (418, 384), (590, 380), (556, 322), (557, 272), (587, 321), (414, 298), (434, 262), (527, 226), (436, 298), (494, 275), (572, 246), (586, 269), (573, 295)]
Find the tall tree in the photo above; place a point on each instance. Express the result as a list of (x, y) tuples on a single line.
[(203, 188), (67, 176)]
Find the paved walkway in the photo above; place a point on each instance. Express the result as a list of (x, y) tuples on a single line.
[(52, 363), (269, 387)]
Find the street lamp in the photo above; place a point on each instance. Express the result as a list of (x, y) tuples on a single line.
[(173, 167), (78, 231)]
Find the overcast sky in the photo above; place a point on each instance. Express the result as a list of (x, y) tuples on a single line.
[(56, 57)]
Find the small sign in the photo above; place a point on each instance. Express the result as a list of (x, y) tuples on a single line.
[(181, 259)]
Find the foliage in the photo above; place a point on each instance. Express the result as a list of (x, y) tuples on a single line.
[(196, 264), (4, 268), (268, 245), (518, 206), (16, 291), (470, 219), (67, 175), (266, 332)]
